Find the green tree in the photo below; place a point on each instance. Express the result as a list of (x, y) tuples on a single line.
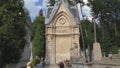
[(108, 14), (51, 2), (88, 35), (35, 61), (39, 36), (88, 31), (12, 30)]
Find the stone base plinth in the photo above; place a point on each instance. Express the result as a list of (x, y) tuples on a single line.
[(97, 55)]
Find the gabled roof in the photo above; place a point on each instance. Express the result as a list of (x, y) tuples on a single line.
[(52, 10)]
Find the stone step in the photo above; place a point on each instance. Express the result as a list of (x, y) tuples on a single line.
[(53, 66)]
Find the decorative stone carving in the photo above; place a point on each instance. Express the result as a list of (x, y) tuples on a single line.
[(62, 21), (60, 29)]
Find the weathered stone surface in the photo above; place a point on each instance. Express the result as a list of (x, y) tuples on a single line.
[(62, 33), (97, 55), (103, 63)]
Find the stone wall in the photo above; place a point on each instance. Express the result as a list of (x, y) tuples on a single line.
[(94, 65), (106, 62), (27, 49), (81, 65), (105, 66)]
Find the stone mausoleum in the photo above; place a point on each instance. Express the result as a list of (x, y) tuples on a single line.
[(62, 31)]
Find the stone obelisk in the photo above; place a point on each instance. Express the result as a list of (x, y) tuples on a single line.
[(97, 55)]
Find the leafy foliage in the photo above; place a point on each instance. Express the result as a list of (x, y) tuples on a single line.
[(108, 13), (87, 27), (88, 36), (35, 61), (39, 36), (51, 2), (12, 30)]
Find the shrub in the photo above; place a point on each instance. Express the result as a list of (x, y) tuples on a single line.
[(35, 61)]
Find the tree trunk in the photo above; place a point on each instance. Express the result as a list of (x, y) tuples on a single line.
[(116, 29)]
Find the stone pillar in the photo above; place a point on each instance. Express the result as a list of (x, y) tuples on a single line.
[(53, 57), (97, 55), (48, 49)]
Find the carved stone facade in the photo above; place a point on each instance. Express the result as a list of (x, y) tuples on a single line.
[(62, 33)]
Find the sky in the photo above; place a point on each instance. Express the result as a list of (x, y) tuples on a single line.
[(86, 11), (34, 6)]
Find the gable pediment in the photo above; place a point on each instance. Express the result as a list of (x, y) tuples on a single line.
[(63, 15), (62, 8)]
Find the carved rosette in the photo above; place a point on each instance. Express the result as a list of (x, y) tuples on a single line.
[(62, 21)]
